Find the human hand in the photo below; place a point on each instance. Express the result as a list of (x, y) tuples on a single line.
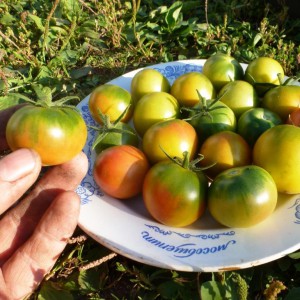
[(34, 230)]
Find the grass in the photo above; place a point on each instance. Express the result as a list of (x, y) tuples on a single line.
[(71, 46)]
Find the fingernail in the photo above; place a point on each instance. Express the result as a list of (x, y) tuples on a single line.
[(17, 165)]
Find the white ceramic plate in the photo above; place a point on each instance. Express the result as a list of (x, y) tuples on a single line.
[(126, 227)]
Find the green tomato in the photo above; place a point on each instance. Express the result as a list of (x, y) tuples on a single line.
[(242, 196), (263, 73), (120, 134), (206, 123), (147, 81), (253, 122), (282, 100), (221, 69), (153, 108), (239, 95), (173, 195)]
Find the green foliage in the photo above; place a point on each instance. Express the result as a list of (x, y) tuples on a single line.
[(69, 47), (72, 46)]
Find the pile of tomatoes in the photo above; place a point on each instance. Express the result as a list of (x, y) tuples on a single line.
[(224, 140)]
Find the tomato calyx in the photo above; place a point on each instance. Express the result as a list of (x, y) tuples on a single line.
[(109, 127), (289, 81), (202, 109), (185, 162), (45, 99), (267, 85)]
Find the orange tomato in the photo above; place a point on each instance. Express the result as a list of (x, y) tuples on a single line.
[(119, 171), (225, 150)]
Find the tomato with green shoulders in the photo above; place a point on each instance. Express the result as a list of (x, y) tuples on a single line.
[(221, 69), (242, 197), (175, 194)]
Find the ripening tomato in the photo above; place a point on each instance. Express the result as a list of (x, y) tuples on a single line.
[(263, 72), (294, 117), (112, 100), (208, 121), (242, 196), (221, 69), (239, 95), (153, 108), (147, 81), (173, 137), (282, 100), (225, 150), (277, 151), (57, 134), (173, 195), (119, 171), (185, 87), (253, 122)]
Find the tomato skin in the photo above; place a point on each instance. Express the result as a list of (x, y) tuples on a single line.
[(220, 118), (185, 87), (242, 196), (173, 136), (119, 171), (118, 138), (153, 108), (147, 81), (226, 150), (254, 122), (282, 100), (294, 117), (277, 151), (173, 195), (57, 134), (263, 70), (221, 69), (112, 100), (239, 95)]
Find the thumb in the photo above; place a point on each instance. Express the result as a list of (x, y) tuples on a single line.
[(18, 171)]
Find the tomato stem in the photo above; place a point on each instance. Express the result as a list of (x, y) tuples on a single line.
[(185, 162), (203, 108), (109, 127)]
